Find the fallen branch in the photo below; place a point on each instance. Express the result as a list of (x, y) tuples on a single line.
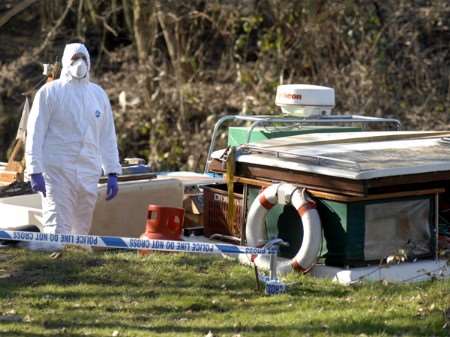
[(15, 10), (52, 32), (106, 26)]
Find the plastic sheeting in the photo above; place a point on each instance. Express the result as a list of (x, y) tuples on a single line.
[(395, 226)]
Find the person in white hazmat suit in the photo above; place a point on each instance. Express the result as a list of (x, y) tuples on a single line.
[(70, 138)]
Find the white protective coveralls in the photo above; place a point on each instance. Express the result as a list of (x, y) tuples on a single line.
[(71, 136)]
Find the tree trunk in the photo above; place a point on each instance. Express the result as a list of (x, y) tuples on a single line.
[(170, 36), (143, 28)]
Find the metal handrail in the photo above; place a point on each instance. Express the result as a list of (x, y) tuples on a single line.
[(325, 120), (257, 120)]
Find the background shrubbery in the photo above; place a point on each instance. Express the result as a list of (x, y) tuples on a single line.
[(183, 64)]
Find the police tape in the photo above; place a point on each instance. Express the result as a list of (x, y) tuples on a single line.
[(134, 243)]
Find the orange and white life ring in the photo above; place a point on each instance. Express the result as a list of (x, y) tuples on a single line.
[(312, 229)]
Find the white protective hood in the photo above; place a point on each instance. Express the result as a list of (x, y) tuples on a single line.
[(70, 50)]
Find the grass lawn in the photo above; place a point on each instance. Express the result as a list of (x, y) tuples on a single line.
[(121, 294)]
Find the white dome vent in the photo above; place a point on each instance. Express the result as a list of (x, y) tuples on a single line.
[(305, 99)]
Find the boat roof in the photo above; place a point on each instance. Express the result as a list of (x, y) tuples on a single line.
[(353, 155)]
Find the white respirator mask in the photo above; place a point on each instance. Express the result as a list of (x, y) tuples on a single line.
[(78, 69)]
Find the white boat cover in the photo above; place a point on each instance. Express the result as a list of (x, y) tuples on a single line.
[(353, 155)]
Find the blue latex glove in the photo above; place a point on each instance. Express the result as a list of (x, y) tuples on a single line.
[(38, 183), (112, 188)]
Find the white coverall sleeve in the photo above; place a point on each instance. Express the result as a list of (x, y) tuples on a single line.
[(108, 143), (37, 127)]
